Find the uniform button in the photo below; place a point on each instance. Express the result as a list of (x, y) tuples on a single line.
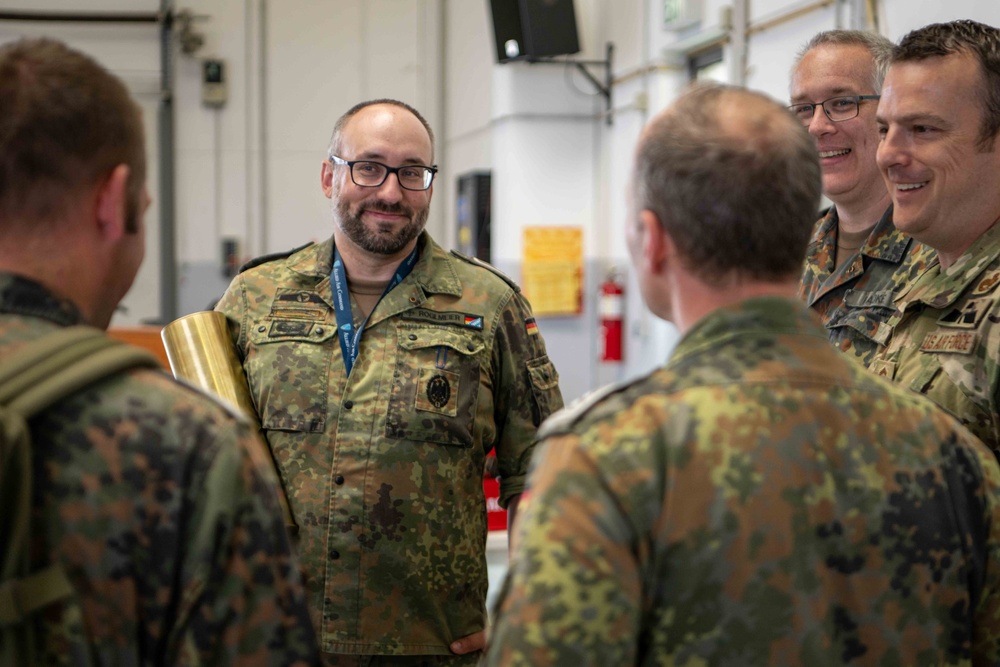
[(470, 347), (334, 555), (413, 299), (861, 318), (319, 331), (348, 404), (262, 329), (339, 479), (413, 336)]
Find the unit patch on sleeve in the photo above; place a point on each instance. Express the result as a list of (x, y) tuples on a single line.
[(531, 326)]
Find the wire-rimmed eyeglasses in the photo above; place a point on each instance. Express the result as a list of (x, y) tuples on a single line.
[(369, 174), (837, 109)]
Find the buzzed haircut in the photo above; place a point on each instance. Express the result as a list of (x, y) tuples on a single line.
[(735, 181), (65, 124), (979, 40), (338, 127)]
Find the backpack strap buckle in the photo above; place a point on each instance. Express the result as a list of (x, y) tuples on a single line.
[(19, 598)]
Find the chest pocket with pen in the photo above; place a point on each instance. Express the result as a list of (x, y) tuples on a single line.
[(435, 385)]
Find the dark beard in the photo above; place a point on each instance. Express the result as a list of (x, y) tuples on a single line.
[(382, 240)]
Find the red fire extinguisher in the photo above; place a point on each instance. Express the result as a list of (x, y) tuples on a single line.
[(611, 313)]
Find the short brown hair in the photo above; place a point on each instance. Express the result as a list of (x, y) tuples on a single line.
[(980, 41), (735, 181), (65, 124)]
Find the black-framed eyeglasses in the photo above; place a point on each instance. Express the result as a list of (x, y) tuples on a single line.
[(837, 109), (369, 174)]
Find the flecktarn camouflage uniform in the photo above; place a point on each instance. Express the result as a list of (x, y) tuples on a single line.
[(760, 500), (854, 298), (383, 469), (944, 340), (151, 497)]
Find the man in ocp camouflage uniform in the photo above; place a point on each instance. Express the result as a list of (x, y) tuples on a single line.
[(939, 118), (384, 369), (761, 499), (154, 500), (857, 260)]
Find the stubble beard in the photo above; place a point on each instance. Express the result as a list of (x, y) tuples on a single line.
[(381, 240)]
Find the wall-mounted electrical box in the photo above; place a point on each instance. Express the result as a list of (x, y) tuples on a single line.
[(213, 82)]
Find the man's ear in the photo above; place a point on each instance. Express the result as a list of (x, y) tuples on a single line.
[(657, 247), (112, 203), (326, 179)]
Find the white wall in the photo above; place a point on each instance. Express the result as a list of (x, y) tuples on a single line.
[(249, 170)]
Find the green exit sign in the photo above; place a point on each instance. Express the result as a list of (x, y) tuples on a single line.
[(672, 10)]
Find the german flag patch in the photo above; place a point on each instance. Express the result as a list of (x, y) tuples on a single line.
[(531, 326)]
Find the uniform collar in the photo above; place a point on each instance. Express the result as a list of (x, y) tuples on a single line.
[(885, 241), (762, 315), (940, 288), (434, 272), (23, 296)]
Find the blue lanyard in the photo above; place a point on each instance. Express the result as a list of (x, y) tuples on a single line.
[(350, 338)]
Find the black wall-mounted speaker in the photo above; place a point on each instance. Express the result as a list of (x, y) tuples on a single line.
[(526, 29)]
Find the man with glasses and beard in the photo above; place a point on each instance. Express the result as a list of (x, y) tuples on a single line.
[(384, 369)]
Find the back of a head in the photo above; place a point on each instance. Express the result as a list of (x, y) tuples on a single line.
[(735, 181), (975, 39), (65, 123)]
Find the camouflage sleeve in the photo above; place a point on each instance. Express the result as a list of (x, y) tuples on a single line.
[(574, 588), (233, 306), (526, 391), (986, 620), (242, 600)]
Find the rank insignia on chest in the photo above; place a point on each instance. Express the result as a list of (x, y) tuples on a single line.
[(966, 316), (956, 342), (987, 284), (882, 368)]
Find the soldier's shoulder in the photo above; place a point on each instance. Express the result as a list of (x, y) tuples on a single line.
[(593, 407), (157, 392), (480, 264), (272, 257)]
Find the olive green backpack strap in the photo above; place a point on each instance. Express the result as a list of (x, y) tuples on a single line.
[(43, 372)]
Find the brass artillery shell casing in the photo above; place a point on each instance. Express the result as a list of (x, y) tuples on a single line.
[(201, 352)]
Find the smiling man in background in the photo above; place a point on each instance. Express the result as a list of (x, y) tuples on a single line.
[(384, 369), (939, 118), (857, 260)]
